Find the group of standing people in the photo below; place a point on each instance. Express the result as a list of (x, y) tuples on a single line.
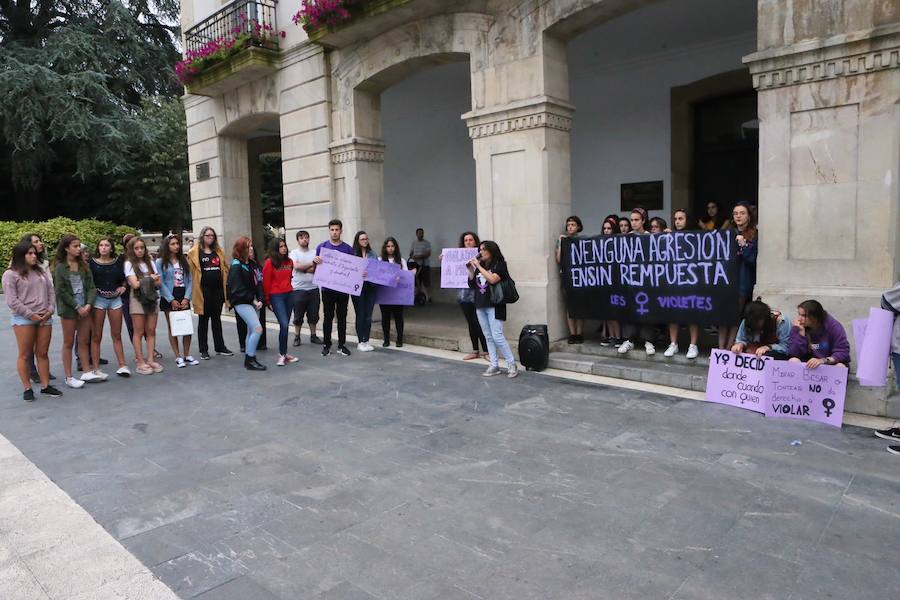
[(627, 336)]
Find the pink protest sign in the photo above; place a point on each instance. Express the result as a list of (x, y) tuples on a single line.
[(454, 273), (402, 294), (875, 350), (737, 380), (796, 392), (340, 272)]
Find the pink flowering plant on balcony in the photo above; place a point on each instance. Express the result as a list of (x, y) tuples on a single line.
[(247, 33), (316, 14)]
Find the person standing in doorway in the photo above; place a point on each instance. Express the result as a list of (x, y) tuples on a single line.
[(306, 293), (108, 271), (486, 270), (420, 252), (244, 292), (334, 302), (364, 304), (31, 298), (75, 293), (277, 274), (176, 290), (209, 268), (390, 252), (576, 326), (747, 238)]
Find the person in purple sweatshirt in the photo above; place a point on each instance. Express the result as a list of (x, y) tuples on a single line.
[(333, 301), (817, 338)]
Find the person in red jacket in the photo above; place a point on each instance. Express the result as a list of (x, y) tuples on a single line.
[(279, 292)]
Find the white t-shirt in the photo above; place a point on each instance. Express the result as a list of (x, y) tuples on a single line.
[(402, 262), (129, 269), (301, 280)]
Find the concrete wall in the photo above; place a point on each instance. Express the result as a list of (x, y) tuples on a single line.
[(429, 171)]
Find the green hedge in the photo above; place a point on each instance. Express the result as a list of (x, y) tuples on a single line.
[(89, 230)]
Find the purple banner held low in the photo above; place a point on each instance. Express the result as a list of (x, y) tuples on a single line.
[(797, 392), (340, 272), (874, 354), (737, 380), (383, 272), (454, 273), (403, 294)]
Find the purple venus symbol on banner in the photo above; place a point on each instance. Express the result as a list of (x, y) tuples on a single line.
[(642, 298)]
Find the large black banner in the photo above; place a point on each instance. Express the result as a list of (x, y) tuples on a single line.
[(679, 277)]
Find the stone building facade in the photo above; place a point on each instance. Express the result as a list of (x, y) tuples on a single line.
[(826, 75)]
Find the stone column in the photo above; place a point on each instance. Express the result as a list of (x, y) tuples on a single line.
[(359, 185), (829, 153), (523, 183)]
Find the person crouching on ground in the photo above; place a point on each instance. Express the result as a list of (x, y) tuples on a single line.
[(486, 270), (817, 338), (244, 296), (763, 332)]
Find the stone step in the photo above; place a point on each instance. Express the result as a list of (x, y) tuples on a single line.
[(593, 348)]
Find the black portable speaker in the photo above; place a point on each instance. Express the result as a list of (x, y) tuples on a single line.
[(534, 347)]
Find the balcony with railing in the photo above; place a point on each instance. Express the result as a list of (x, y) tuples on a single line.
[(235, 45)]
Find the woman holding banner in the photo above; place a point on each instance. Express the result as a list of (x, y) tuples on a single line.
[(680, 222), (485, 271), (613, 329), (747, 238), (576, 326), (390, 253), (364, 304), (634, 332), (466, 301)]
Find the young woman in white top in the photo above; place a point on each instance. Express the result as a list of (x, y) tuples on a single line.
[(144, 315), (390, 252)]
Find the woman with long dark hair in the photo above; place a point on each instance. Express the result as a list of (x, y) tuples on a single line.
[(44, 263), (763, 332), (108, 271), (713, 219), (176, 288), (486, 270), (466, 299), (390, 252), (747, 237), (209, 271), (257, 269), (636, 332), (75, 293), (277, 273), (624, 225), (817, 338), (576, 326), (364, 304), (30, 296), (680, 222), (144, 282), (245, 294)]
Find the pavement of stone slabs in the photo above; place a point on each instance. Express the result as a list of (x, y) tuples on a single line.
[(398, 476)]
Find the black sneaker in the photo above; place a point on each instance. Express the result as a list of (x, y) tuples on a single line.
[(572, 340), (224, 352), (342, 350), (35, 378), (326, 350), (314, 339), (51, 391), (893, 449), (204, 356), (28, 395), (296, 340), (103, 361), (892, 434), (605, 341)]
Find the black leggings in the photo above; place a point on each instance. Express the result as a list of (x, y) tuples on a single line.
[(388, 311), (213, 299), (335, 303), (475, 333)]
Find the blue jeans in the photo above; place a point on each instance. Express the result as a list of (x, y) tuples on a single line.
[(282, 305), (248, 314), (896, 358), (363, 305), (493, 333)]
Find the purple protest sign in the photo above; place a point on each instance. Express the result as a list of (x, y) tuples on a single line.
[(876, 348), (383, 272), (454, 273), (737, 380), (797, 392), (340, 272), (402, 294), (859, 335)]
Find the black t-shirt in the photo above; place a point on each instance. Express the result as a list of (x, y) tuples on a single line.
[(108, 277), (210, 270), (483, 289)]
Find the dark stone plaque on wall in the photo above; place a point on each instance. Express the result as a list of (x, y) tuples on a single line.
[(202, 171), (646, 194)]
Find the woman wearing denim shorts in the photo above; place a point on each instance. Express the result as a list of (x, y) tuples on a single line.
[(109, 278)]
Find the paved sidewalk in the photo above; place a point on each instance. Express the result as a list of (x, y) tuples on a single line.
[(394, 475)]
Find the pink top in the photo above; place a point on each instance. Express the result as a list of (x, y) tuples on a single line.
[(29, 295)]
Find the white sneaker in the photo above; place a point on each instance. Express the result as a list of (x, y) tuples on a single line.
[(625, 347), (123, 372), (280, 361), (191, 360), (179, 362), (366, 347), (90, 377), (361, 346), (74, 383), (512, 371), (671, 351), (103, 376), (491, 371), (649, 348), (290, 359), (693, 351)]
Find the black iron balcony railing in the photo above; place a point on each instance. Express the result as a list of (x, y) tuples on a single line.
[(240, 18)]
